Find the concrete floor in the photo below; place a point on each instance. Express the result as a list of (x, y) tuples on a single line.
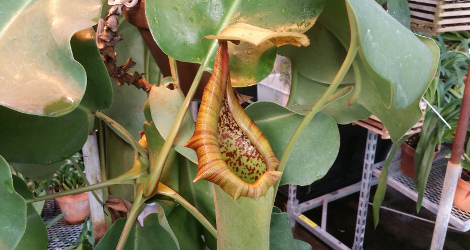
[(394, 231)]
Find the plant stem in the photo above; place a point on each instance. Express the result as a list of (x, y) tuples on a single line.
[(130, 222), (85, 179), (319, 104), (129, 138), (166, 191), (174, 70), (100, 185), (102, 149), (151, 183)]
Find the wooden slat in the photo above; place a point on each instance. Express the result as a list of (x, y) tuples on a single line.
[(374, 123), (422, 15), (455, 13), (454, 21), (425, 1), (453, 28), (422, 22), (417, 7), (455, 5)]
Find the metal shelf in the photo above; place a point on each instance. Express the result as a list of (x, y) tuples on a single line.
[(432, 194), (61, 229), (295, 209)]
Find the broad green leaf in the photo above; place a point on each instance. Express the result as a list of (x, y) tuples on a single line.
[(119, 160), (400, 70), (42, 77), (129, 101), (200, 195), (99, 94), (13, 217), (35, 236), (165, 208), (151, 236), (305, 93), (165, 102), (155, 141), (32, 139), (186, 229), (280, 234), (178, 27), (397, 121), (319, 142), (400, 10), (41, 140), (313, 68), (390, 76), (38, 172), (321, 60)]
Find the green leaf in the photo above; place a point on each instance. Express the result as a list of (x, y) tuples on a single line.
[(319, 142), (382, 186), (38, 172), (13, 216), (169, 175), (165, 103), (151, 236), (186, 229), (390, 77), (321, 60), (119, 160), (200, 195), (397, 121), (42, 77), (305, 93), (99, 93), (35, 236), (280, 234), (129, 101), (42, 140), (178, 27), (400, 10), (400, 71), (52, 139)]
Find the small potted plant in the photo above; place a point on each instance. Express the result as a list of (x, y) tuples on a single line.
[(75, 207)]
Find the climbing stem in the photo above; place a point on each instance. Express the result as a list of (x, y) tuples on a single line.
[(100, 185), (174, 70), (166, 191), (156, 169), (129, 138), (319, 104), (130, 222), (102, 149)]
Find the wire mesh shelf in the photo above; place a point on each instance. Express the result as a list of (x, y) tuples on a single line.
[(61, 229), (432, 194)]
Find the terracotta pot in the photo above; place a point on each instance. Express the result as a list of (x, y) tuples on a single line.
[(407, 164), (76, 207), (462, 195)]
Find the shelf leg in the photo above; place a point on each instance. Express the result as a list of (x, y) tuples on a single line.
[(292, 203), (369, 158)]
